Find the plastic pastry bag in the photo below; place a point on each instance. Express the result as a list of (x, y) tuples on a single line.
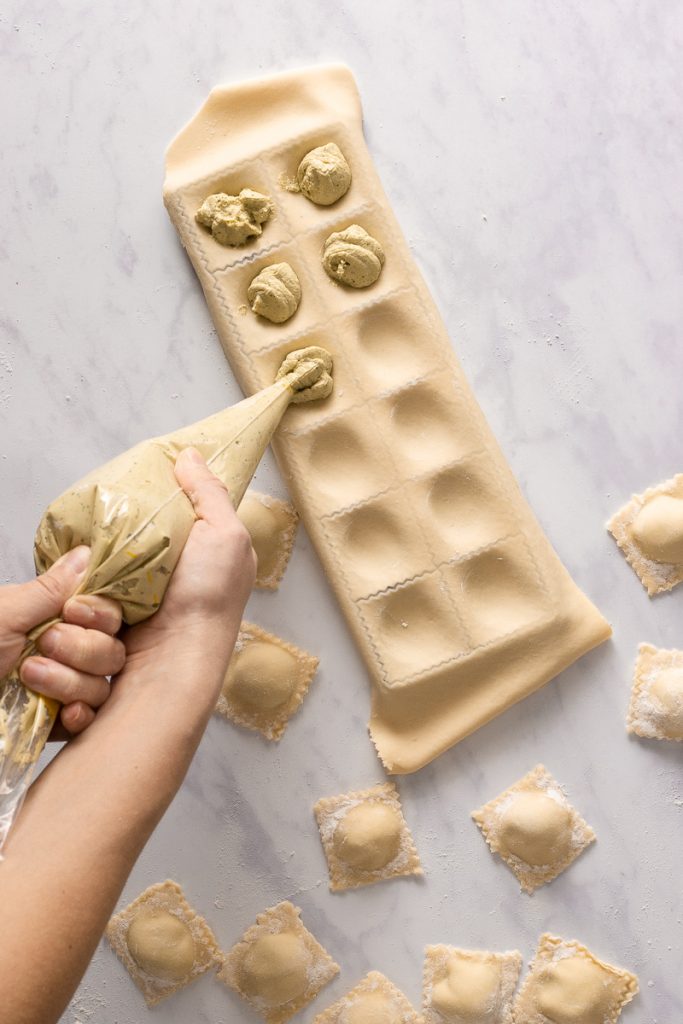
[(136, 519)]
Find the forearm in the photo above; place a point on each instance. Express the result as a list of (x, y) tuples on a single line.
[(86, 820)]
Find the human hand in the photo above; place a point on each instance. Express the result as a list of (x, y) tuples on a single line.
[(75, 655), (202, 609)]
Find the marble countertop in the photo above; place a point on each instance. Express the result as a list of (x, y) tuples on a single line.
[(534, 156)]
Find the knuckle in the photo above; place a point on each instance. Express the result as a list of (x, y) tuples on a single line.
[(50, 585), (117, 657)]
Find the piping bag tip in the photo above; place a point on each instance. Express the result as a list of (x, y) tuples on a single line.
[(309, 373)]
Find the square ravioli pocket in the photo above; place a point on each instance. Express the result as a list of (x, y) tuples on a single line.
[(465, 986), (374, 1000), (656, 707), (278, 967), (272, 524), (163, 943), (365, 837), (649, 531), (566, 984), (266, 681), (534, 829)]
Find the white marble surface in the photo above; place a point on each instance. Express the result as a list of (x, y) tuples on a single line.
[(534, 155)]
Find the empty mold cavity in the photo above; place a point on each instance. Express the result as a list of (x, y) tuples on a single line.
[(267, 362), (466, 507), (283, 165), (344, 458), (396, 342), (373, 547), (414, 627), (425, 427), (252, 175), (499, 591), (256, 332)]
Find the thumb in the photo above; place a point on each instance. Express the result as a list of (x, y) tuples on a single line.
[(45, 596)]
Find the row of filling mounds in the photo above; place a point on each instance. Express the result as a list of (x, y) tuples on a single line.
[(379, 347), (270, 174), (322, 297)]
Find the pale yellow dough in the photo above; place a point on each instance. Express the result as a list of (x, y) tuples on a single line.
[(161, 944), (275, 293), (162, 941), (374, 1000), (266, 681), (534, 829), (324, 175), (278, 966), (462, 986), (353, 257), (453, 594), (365, 837), (656, 706), (272, 524), (234, 220), (567, 984), (649, 531)]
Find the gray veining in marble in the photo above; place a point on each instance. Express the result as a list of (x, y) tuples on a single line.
[(534, 155)]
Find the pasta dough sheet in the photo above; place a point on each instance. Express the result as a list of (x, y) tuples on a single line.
[(455, 598)]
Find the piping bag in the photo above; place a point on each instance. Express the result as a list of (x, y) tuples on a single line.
[(136, 520)]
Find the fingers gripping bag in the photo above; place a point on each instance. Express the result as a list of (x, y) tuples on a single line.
[(136, 519)]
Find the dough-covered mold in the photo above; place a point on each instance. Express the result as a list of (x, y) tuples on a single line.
[(426, 427), (365, 837), (339, 297), (272, 525), (534, 829), (374, 1000), (649, 531), (162, 942), (257, 332), (337, 460), (499, 591), (377, 546), (266, 681), (656, 707), (344, 394), (414, 627), (278, 966), (188, 201), (567, 984), (404, 411), (466, 986), (395, 343), (464, 507), (284, 164)]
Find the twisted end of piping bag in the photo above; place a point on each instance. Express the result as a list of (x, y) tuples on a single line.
[(308, 371)]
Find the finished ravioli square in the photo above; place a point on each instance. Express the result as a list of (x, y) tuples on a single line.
[(278, 967), (469, 986), (656, 707), (534, 829), (272, 525), (365, 837), (266, 681), (162, 942), (649, 531), (567, 983), (374, 1000)]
